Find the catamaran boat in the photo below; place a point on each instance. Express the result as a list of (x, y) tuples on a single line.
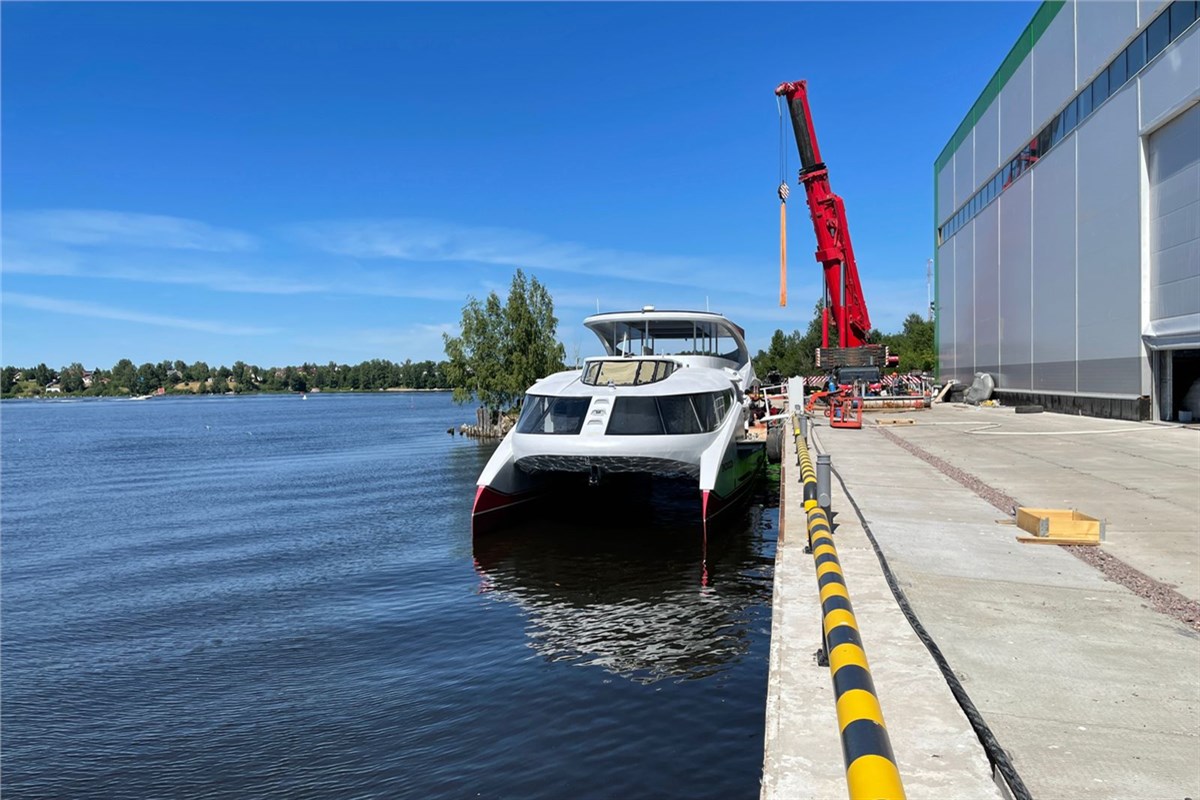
[(668, 399)]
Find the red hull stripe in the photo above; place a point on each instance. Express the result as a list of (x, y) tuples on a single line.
[(488, 499)]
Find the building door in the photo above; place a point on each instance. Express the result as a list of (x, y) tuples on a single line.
[(1173, 162)]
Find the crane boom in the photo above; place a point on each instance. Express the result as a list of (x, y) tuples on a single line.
[(828, 212)]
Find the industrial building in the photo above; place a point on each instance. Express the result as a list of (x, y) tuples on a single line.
[(1067, 211)]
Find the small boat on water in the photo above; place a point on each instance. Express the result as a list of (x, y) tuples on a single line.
[(668, 399)]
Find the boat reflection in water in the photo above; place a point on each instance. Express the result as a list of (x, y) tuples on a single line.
[(616, 582)]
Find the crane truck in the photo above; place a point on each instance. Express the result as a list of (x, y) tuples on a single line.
[(853, 363)]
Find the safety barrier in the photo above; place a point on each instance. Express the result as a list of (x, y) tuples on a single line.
[(808, 474), (871, 772)]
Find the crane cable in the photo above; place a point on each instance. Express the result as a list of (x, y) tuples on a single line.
[(783, 195)]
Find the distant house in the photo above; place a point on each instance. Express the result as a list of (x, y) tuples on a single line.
[(88, 378), (54, 387)]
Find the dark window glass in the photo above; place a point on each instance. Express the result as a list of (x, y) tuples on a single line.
[(558, 415), (706, 411), (1116, 73), (679, 415), (1099, 89), (1135, 55), (1043, 142), (1183, 13), (1158, 35), (1085, 103), (1056, 130), (1070, 116), (635, 416)]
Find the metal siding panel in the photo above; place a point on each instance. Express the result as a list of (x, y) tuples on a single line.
[(1054, 67), (1054, 271), (987, 294), (964, 171), (964, 300), (1174, 171), (1016, 119), (1172, 78), (1102, 30), (1016, 287), (1148, 9), (945, 192), (987, 144), (945, 310), (1109, 242)]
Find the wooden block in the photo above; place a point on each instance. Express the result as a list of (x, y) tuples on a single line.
[(1056, 540), (895, 422)]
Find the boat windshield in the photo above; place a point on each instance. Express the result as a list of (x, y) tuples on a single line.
[(620, 372), (663, 337), (560, 415)]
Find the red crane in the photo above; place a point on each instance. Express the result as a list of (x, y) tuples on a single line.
[(843, 291)]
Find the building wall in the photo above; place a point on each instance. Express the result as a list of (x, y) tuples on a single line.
[(1041, 283)]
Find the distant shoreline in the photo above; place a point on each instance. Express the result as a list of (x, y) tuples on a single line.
[(58, 398)]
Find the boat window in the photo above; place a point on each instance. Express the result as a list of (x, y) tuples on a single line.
[(635, 416), (679, 414), (626, 372), (712, 408), (676, 414), (558, 415)]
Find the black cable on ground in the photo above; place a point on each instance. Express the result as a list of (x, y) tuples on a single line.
[(999, 759)]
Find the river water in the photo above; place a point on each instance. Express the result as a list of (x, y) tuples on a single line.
[(269, 597)]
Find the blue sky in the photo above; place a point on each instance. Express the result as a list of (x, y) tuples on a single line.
[(281, 183)]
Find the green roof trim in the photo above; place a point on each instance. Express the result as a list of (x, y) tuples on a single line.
[(1019, 52)]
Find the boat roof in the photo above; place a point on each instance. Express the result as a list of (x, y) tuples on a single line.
[(651, 324), (668, 324)]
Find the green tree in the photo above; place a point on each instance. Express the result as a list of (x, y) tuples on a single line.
[(8, 380), (914, 344), (504, 347), (71, 378), (43, 375), (124, 376)]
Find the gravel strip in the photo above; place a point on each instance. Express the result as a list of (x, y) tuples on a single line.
[(1161, 596)]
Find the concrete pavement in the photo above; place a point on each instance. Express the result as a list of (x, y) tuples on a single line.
[(1091, 691)]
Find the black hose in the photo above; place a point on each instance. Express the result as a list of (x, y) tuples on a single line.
[(999, 759)]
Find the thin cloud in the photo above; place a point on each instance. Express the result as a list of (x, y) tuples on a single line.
[(436, 241), (123, 229), (154, 268), (78, 309)]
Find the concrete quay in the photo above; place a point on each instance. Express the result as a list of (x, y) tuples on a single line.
[(1090, 690)]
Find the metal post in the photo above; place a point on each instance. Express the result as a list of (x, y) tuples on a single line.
[(804, 427), (823, 468)]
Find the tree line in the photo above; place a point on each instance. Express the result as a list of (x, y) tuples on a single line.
[(795, 353), (179, 377)]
